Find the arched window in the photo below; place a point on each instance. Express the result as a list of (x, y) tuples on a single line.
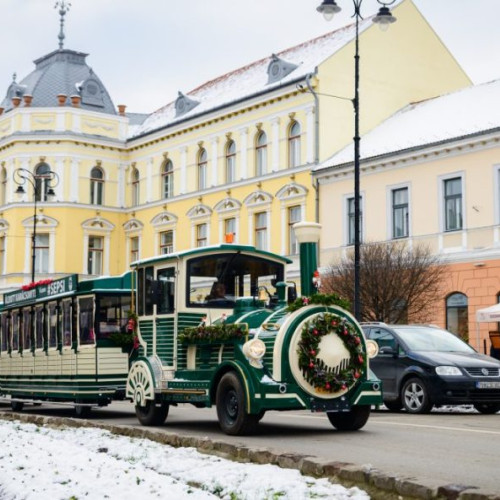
[(168, 179), (42, 181), (135, 187), (230, 162), (202, 169), (294, 145), (96, 186), (457, 315), (3, 186), (261, 154)]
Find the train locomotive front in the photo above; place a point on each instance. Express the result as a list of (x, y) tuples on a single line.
[(251, 349)]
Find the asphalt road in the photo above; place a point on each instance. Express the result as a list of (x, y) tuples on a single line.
[(439, 448)]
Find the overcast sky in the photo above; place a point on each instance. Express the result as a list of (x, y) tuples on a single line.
[(144, 51)]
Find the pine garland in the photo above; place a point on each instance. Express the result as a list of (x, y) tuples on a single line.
[(322, 299), (319, 375), (214, 333)]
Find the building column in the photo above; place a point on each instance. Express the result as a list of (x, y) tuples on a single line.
[(213, 160), (149, 180), (183, 151), (120, 195), (75, 176), (244, 153), (310, 133), (275, 162)]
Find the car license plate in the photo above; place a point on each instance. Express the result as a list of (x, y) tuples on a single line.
[(488, 385)]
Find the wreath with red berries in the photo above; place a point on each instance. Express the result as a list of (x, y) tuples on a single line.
[(322, 377)]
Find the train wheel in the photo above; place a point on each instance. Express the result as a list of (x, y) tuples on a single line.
[(151, 413), (17, 405), (351, 420), (82, 411), (230, 401)]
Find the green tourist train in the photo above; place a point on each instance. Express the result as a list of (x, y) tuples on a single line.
[(213, 326)]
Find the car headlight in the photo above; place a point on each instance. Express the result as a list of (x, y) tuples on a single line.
[(448, 370)]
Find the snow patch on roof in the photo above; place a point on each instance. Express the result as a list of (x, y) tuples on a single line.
[(252, 79), (468, 111)]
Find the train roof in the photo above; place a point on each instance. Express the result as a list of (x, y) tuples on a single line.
[(209, 250)]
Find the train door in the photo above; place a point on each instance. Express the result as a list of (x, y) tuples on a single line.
[(165, 317)]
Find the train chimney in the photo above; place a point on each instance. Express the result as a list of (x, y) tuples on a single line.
[(307, 234)]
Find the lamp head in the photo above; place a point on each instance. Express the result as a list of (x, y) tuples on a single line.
[(20, 192), (328, 8), (384, 18), (50, 194)]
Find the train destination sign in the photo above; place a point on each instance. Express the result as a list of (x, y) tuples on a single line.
[(40, 290)]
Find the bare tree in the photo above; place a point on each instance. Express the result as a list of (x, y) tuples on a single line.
[(397, 284)]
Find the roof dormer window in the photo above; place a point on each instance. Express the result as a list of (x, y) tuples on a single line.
[(91, 92), (184, 104), (278, 68)]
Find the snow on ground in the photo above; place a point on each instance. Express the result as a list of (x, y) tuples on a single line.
[(44, 463)]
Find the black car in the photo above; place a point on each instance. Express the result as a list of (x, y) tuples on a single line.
[(421, 366)]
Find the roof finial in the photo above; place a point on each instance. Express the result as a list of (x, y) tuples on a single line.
[(63, 8)]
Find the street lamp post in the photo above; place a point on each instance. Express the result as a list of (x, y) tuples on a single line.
[(384, 18), (43, 184)]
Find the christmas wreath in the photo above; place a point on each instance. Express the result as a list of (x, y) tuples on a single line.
[(322, 377)]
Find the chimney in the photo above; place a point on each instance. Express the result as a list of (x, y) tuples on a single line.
[(16, 101), (61, 99), (75, 101), (307, 234), (28, 98), (121, 109)]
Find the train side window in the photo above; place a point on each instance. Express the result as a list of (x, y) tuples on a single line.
[(86, 320), (52, 324), (140, 292), (112, 315), (39, 327), (166, 300), (5, 332), (66, 324), (148, 291), (27, 343), (15, 330)]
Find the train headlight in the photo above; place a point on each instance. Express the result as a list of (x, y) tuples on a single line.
[(254, 351), (371, 348)]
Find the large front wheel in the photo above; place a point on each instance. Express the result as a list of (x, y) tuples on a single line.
[(230, 401), (352, 420), (151, 413)]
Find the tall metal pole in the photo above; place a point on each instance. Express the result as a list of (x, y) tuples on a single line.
[(47, 180), (384, 18), (357, 238), (33, 236)]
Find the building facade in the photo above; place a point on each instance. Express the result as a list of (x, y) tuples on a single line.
[(430, 175), (228, 161)]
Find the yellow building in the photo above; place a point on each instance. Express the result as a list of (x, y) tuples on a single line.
[(429, 174), (231, 159)]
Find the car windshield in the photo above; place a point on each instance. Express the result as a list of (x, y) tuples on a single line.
[(427, 338)]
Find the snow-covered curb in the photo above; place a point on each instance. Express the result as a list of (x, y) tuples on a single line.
[(375, 482)]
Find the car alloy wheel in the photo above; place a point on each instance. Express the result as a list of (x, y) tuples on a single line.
[(415, 396)]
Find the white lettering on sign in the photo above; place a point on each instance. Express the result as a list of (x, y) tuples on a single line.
[(56, 287)]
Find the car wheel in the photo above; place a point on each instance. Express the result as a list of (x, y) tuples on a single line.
[(151, 414), (487, 408), (393, 405), (415, 396), (351, 420), (230, 402)]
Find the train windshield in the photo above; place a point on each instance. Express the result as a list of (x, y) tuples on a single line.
[(218, 280)]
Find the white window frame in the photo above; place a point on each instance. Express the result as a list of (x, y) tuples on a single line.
[(345, 217), (390, 212), (441, 201)]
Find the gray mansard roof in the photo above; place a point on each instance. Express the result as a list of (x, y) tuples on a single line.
[(62, 72)]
